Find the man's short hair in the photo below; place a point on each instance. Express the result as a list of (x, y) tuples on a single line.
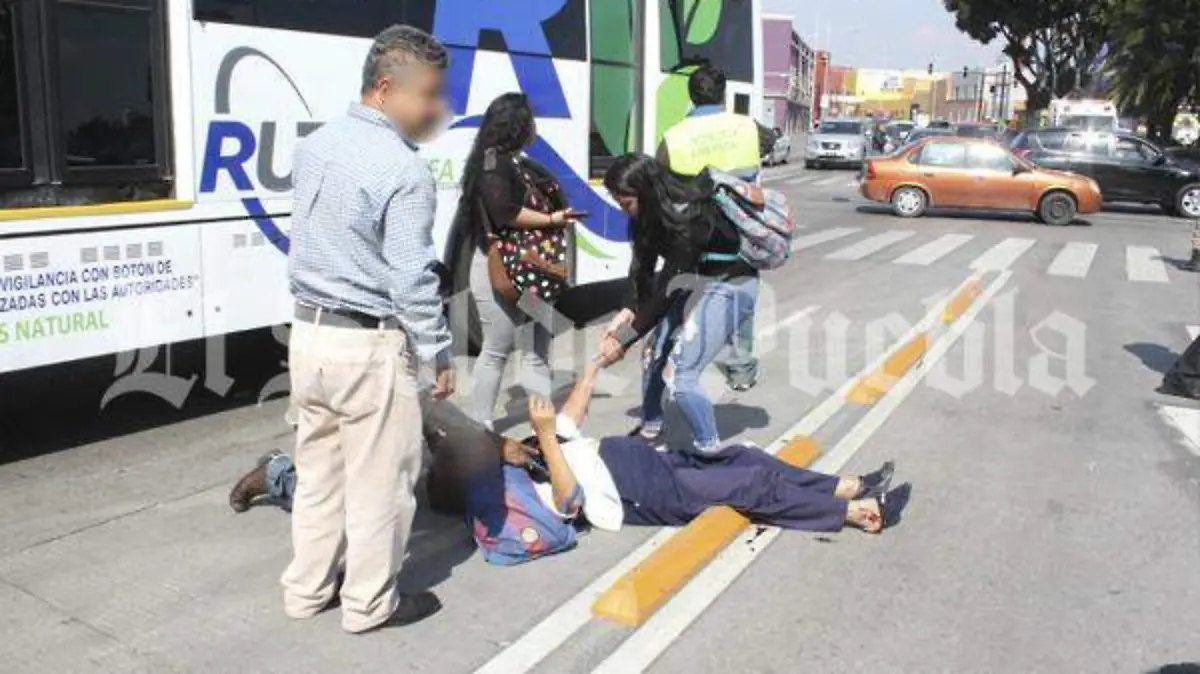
[(398, 46), (706, 86)]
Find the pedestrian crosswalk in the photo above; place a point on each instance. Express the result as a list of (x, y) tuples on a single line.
[(811, 179), (1069, 260)]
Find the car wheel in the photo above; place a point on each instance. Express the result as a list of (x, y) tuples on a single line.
[(1187, 204), (1056, 208), (909, 202)]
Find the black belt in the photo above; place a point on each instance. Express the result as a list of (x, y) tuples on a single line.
[(342, 318)]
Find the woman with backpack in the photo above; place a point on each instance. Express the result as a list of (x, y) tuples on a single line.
[(704, 291), (518, 218)]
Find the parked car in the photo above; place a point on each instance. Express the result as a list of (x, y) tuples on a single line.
[(1127, 167), (974, 174), (897, 132), (836, 142), (780, 150), (927, 132), (978, 130)]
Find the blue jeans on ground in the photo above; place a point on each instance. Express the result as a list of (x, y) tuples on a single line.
[(281, 480), (688, 345)]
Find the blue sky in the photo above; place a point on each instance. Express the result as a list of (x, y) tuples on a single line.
[(886, 33)]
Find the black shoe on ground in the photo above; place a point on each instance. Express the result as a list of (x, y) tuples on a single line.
[(876, 483), (413, 608), (1173, 386)]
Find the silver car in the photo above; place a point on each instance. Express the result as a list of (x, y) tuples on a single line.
[(836, 142)]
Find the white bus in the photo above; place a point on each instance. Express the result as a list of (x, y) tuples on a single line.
[(145, 145)]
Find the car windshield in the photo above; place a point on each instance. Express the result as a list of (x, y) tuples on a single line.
[(841, 128), (1089, 122)]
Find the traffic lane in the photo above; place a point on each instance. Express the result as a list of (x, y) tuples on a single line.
[(144, 518), (1039, 524)]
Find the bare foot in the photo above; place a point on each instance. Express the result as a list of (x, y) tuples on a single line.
[(865, 515), (848, 487)]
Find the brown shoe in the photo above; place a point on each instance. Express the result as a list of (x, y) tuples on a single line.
[(412, 608), (252, 485)]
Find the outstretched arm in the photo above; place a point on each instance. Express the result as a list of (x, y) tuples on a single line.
[(576, 406)]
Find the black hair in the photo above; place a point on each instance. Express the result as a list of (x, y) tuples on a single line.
[(507, 127), (706, 86), (669, 207)]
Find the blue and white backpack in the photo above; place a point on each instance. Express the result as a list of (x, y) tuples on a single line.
[(763, 218)]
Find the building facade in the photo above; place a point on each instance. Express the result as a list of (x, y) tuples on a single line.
[(788, 72)]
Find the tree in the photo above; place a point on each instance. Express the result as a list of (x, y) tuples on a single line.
[(1154, 61), (1053, 44)]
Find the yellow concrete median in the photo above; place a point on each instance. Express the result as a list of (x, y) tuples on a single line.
[(870, 389), (639, 593)]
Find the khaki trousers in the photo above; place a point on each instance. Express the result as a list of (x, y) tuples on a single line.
[(358, 457)]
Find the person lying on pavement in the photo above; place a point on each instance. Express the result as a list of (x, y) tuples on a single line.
[(523, 499)]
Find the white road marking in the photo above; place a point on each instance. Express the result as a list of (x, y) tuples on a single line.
[(645, 645), (934, 250), (553, 631), (798, 180), (770, 330), (549, 634), (830, 181), (824, 236), (1193, 332), (870, 246), (1002, 255), (1186, 420), (1074, 260), (1144, 264)]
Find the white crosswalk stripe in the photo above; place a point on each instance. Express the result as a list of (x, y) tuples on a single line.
[(824, 236), (799, 180), (1074, 260), (934, 250), (1002, 255), (1193, 332), (870, 246), (830, 181), (1144, 264)]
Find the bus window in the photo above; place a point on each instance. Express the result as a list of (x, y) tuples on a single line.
[(12, 143), (615, 113), (103, 121), (107, 113), (720, 32)]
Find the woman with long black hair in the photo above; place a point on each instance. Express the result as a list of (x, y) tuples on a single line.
[(508, 198), (702, 294)]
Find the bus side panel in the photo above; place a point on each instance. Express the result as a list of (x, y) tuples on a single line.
[(75, 296), (245, 276)]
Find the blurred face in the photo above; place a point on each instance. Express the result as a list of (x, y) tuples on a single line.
[(629, 205), (412, 98)]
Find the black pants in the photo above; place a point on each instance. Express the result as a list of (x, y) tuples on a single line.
[(673, 488)]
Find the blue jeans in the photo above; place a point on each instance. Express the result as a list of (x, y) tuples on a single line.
[(281, 480), (687, 345)]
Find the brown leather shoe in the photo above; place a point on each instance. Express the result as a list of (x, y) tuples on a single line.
[(252, 485), (412, 608)]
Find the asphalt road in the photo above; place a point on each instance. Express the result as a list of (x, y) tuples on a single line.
[(1053, 526)]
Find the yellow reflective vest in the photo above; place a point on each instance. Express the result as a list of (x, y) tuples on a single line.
[(725, 141)]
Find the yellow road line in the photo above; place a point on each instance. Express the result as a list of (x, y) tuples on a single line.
[(874, 386), (641, 591), (961, 302)]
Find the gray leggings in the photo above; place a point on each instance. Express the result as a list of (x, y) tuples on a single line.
[(505, 329)]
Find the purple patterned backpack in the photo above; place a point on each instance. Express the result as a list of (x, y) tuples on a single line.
[(763, 219)]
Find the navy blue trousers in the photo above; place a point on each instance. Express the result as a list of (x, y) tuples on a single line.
[(673, 488)]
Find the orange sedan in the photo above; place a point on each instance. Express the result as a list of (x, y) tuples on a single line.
[(967, 173)]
